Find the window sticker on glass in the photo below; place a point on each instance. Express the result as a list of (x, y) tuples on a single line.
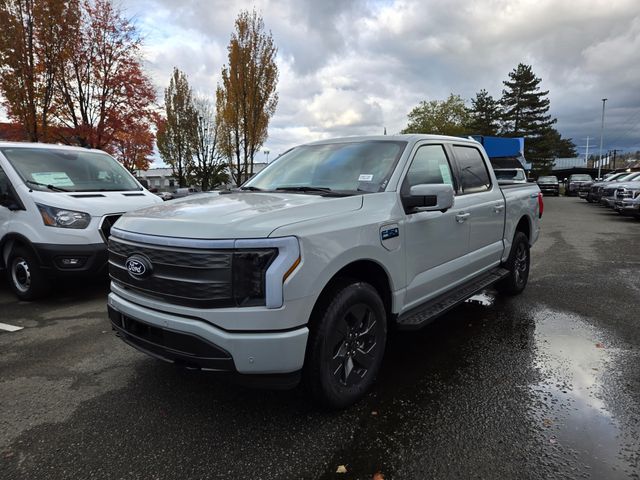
[(365, 177), (446, 174), (57, 179)]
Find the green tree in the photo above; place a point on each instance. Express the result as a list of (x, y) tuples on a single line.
[(208, 169), (525, 113), (247, 98), (176, 131), (484, 115), (443, 117)]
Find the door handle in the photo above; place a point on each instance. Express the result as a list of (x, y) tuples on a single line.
[(462, 217), (498, 208)]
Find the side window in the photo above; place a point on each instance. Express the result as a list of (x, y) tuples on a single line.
[(430, 165), (473, 171)]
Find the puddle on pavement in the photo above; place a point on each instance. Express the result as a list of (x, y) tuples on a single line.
[(572, 358), (483, 298)]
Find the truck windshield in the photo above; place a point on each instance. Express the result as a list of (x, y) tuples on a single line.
[(548, 180), (59, 170), (344, 167), (580, 178)]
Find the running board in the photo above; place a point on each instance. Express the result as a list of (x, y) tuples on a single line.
[(422, 315)]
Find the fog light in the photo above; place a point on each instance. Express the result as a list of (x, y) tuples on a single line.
[(71, 262)]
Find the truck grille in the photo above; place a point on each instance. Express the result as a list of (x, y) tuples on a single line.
[(623, 193), (195, 278)]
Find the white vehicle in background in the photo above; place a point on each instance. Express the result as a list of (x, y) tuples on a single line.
[(506, 176), (300, 273), (57, 206)]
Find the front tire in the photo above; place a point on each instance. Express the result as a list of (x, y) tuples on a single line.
[(518, 265), (346, 345), (25, 275)]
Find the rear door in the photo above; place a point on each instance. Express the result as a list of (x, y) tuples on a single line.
[(482, 202), (435, 242)]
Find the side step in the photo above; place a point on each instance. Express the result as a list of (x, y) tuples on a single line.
[(423, 314)]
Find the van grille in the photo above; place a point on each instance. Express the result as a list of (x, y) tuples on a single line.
[(106, 224)]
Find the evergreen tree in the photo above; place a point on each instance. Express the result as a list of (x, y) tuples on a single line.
[(484, 114), (525, 114)]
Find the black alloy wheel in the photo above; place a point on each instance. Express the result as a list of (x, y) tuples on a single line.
[(347, 339), (518, 265)]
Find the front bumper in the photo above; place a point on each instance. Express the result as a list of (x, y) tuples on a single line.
[(628, 207), (89, 259), (553, 189), (198, 344)]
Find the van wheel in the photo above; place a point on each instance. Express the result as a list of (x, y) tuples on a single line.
[(25, 276), (346, 345), (518, 266)]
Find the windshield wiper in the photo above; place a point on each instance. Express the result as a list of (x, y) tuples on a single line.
[(304, 188), (50, 187), (251, 189)]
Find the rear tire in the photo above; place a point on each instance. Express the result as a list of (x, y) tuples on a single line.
[(518, 265), (25, 275), (346, 345)]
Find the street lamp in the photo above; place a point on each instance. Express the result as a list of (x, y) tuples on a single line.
[(266, 153), (601, 136)]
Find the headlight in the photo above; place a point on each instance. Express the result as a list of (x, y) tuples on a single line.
[(249, 274), (59, 217)]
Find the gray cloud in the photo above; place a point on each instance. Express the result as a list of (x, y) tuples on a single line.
[(354, 67)]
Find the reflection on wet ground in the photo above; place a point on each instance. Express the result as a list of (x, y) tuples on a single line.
[(573, 359)]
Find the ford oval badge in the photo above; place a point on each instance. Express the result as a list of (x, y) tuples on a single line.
[(138, 267)]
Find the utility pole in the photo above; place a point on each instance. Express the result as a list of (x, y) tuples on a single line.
[(604, 100), (615, 150)]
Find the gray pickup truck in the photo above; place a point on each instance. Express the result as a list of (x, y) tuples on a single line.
[(300, 273)]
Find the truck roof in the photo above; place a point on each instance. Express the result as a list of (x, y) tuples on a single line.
[(413, 137)]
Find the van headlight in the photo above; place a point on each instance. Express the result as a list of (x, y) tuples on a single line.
[(62, 218)]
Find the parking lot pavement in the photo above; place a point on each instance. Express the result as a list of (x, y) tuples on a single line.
[(543, 385)]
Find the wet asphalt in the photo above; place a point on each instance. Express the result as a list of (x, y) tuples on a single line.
[(543, 385)]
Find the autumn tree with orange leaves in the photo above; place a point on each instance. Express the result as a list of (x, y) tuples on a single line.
[(104, 92), (72, 73), (247, 98), (35, 41)]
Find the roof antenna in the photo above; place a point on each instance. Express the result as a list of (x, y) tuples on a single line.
[(385, 131)]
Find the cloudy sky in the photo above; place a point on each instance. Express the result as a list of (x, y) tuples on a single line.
[(355, 67)]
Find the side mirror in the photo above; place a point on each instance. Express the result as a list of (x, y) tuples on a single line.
[(430, 197), (9, 202)]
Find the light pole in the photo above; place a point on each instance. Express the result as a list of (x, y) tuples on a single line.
[(601, 136), (266, 153)]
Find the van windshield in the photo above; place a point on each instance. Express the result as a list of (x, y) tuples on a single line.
[(59, 170), (349, 167)]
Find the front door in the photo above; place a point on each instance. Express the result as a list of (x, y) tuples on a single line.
[(435, 242)]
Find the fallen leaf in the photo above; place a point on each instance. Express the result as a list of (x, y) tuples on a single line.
[(378, 476), (374, 413), (547, 422), (553, 441), (594, 369), (599, 345), (341, 469)]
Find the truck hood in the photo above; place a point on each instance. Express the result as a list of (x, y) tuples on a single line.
[(233, 215), (97, 204)]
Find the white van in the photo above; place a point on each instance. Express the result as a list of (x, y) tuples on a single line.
[(57, 206)]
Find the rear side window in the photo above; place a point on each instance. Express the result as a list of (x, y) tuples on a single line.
[(430, 165), (473, 171)]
